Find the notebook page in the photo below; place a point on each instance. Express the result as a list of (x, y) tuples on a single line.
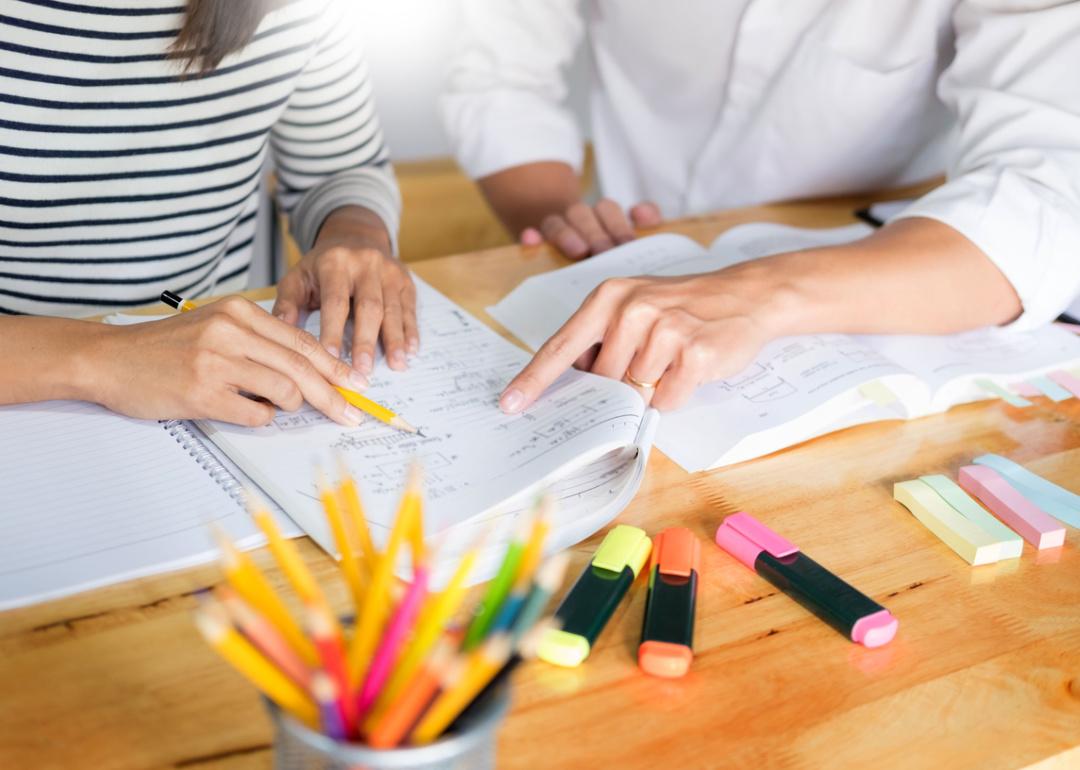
[(88, 498), (474, 456)]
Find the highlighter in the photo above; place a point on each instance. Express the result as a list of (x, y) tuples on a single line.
[(848, 610), (593, 599), (667, 635)]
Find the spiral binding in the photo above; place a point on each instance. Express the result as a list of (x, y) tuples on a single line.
[(193, 445)]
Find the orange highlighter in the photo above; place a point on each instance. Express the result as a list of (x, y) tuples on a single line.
[(667, 635)]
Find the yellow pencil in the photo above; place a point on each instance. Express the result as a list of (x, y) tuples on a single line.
[(433, 619), (288, 556), (376, 410), (484, 663), (350, 498), (251, 584), (377, 602), (257, 669), (350, 567), (534, 547)]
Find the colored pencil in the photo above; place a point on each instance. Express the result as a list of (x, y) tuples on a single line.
[(350, 566), (262, 633), (483, 664), (419, 692), (371, 621), (288, 556), (328, 699), (267, 677), (530, 560), (354, 511), (376, 410), (251, 584), (548, 579), (401, 623), (496, 593)]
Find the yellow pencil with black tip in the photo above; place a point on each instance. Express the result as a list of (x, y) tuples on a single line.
[(376, 410)]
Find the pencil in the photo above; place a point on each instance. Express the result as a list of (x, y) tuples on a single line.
[(548, 579), (328, 699), (264, 636), (288, 556), (350, 567), (257, 669), (175, 301), (496, 593), (530, 560), (484, 663), (350, 498), (393, 640), (376, 410), (328, 640), (377, 604), (251, 584), (421, 688), (430, 626)]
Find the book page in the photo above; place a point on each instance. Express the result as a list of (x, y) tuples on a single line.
[(474, 456), (88, 498), (950, 363)]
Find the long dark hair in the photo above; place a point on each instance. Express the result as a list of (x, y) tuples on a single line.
[(216, 28)]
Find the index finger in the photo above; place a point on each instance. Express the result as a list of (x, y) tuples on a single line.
[(584, 329)]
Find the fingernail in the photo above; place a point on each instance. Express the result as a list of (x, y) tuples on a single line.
[(414, 345), (352, 415), (358, 379), (332, 350), (575, 245), (364, 362), (512, 401), (397, 359), (280, 315)]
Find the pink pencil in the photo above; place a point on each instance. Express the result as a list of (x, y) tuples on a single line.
[(382, 663), (262, 633)]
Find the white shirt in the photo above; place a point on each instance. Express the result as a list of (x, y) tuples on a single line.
[(701, 105)]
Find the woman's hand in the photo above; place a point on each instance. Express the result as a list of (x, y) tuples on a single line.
[(350, 272), (195, 365), (584, 231), (664, 336)]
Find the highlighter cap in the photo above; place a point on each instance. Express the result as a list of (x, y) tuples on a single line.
[(563, 648), (624, 546), (664, 659), (677, 552), (744, 537)]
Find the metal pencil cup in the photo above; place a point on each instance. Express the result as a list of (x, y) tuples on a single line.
[(470, 747)]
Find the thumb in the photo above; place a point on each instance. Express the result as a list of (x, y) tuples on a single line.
[(646, 214), (291, 296)]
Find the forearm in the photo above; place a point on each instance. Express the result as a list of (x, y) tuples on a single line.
[(915, 276), (524, 195), (46, 358)]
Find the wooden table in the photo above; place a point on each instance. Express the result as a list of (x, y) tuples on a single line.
[(984, 673)]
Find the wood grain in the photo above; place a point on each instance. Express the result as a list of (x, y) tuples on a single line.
[(984, 673)]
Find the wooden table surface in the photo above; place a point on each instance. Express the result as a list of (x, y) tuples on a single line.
[(984, 672)]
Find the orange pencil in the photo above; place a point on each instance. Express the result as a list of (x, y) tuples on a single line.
[(416, 696), (330, 643)]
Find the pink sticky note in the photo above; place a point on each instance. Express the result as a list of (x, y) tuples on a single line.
[(1030, 522), (1025, 389), (1067, 381)]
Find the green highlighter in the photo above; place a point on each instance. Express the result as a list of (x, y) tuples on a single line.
[(593, 599)]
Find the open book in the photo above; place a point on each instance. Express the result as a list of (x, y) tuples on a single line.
[(588, 440), (798, 387)]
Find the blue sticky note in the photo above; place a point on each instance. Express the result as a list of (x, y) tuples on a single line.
[(994, 389), (1060, 503), (1050, 388)]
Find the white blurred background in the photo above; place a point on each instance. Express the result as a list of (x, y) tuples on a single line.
[(409, 44)]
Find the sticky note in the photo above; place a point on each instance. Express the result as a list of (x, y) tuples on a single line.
[(1066, 380), (1011, 543), (1050, 389), (970, 542), (879, 393), (1057, 501), (1032, 523), (1025, 389), (994, 389)]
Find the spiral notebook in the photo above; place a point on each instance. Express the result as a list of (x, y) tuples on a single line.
[(89, 498)]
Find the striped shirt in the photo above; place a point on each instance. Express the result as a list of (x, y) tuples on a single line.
[(120, 176)]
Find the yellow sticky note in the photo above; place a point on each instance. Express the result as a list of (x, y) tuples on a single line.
[(970, 542), (877, 392)]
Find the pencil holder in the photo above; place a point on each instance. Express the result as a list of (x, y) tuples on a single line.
[(470, 746)]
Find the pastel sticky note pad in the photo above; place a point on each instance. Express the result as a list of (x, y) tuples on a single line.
[(1066, 380), (1050, 388), (970, 542), (994, 389), (1032, 523), (1012, 545), (1025, 389), (1057, 501), (879, 393)]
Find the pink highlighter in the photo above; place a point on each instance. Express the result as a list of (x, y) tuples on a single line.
[(848, 610)]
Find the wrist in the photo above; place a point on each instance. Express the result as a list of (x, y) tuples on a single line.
[(771, 292), (354, 226)]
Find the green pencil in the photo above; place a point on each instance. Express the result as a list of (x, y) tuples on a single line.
[(497, 591)]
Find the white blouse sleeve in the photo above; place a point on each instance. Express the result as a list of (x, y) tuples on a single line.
[(1013, 178), (503, 104)]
